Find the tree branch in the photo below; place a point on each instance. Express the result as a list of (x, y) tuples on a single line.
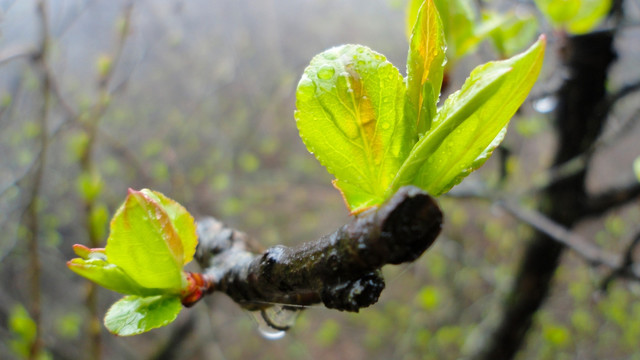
[(598, 204), (340, 270)]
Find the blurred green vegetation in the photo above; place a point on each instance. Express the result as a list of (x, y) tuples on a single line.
[(201, 109)]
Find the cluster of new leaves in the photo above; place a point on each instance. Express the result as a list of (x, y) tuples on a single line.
[(151, 239), (376, 131)]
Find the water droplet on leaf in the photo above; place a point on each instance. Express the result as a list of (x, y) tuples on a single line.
[(326, 72), (306, 89), (329, 55)]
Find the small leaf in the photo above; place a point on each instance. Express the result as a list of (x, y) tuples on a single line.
[(22, 325), (145, 244), (134, 315), (471, 123), (425, 64), (576, 16), (350, 115), (88, 253), (514, 32), (109, 276), (182, 221), (590, 14), (559, 12), (459, 22)]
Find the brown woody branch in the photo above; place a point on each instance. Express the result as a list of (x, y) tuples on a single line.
[(340, 270)]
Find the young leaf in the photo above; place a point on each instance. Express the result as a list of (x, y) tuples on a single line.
[(590, 14), (577, 16), (145, 244), (182, 221), (134, 315), (514, 32), (109, 276), (425, 64), (471, 123), (349, 114)]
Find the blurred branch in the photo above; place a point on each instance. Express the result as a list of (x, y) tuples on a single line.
[(580, 162), (593, 254), (341, 269), (17, 52), (30, 218), (598, 204), (90, 126), (627, 267), (590, 252)]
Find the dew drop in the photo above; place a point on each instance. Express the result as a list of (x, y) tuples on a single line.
[(386, 125), (326, 72), (306, 89), (329, 55), (545, 105), (273, 322)]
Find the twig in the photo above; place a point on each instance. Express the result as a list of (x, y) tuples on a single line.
[(626, 267), (597, 204), (17, 52), (91, 125), (31, 215), (341, 269), (581, 246), (580, 162)]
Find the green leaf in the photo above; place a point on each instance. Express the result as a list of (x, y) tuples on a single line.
[(412, 16), (590, 14), (471, 123), (145, 244), (182, 221), (576, 16), (350, 115), (109, 276), (559, 12), (459, 22), (22, 325), (514, 32), (425, 65), (134, 315), (98, 219)]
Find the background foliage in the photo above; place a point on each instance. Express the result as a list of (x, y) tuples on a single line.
[(199, 105)]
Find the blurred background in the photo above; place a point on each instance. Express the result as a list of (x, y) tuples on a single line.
[(195, 99)]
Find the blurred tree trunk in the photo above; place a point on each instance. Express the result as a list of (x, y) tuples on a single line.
[(579, 119)]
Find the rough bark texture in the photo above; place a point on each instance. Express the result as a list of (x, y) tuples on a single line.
[(579, 120), (340, 270)]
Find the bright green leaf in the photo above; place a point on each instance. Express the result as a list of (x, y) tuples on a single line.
[(144, 243), (425, 65), (350, 115), (590, 14), (412, 15), (636, 168), (576, 16), (134, 315), (471, 123), (514, 33), (109, 276), (182, 221), (89, 185), (459, 22), (22, 325), (559, 12), (98, 218)]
